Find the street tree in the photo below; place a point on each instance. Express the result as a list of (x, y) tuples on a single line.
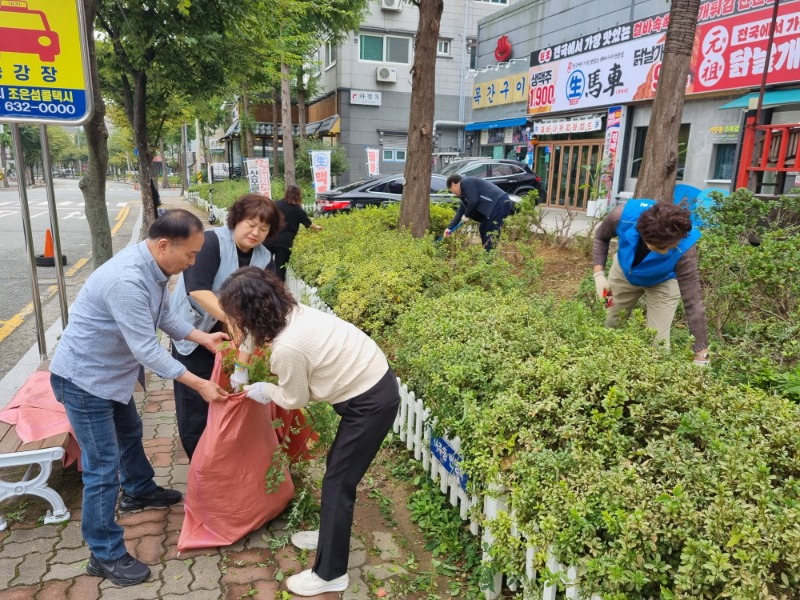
[(415, 204), (162, 50), (660, 159), (93, 181)]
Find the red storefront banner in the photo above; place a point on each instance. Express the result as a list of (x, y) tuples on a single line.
[(729, 53)]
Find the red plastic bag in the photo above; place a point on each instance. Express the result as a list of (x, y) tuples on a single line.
[(227, 495)]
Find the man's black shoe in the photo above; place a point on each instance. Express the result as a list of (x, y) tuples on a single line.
[(123, 571), (159, 498)]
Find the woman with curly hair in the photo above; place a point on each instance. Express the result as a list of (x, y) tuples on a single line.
[(318, 357), (657, 259), (250, 221)]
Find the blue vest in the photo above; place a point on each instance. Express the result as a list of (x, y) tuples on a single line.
[(189, 310), (655, 268)]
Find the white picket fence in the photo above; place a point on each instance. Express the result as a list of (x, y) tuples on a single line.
[(441, 460)]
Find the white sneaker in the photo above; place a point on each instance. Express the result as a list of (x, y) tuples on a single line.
[(306, 540), (309, 583)]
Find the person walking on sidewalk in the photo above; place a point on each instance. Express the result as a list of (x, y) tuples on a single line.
[(318, 357), (111, 337), (237, 244), (657, 259), (481, 201), (291, 208)]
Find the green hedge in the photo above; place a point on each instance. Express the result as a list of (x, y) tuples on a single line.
[(657, 478), (224, 193)]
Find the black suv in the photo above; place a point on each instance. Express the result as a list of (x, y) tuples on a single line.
[(512, 176)]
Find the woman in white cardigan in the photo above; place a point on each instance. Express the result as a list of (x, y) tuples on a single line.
[(318, 357)]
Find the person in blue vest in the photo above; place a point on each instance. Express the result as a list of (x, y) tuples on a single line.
[(657, 259), (238, 244), (481, 201)]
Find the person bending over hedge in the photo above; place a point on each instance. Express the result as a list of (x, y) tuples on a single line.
[(318, 357), (657, 259)]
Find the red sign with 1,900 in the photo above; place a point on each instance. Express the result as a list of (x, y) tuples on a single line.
[(542, 95)]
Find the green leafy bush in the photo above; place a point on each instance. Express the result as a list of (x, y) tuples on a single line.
[(657, 479), (750, 265)]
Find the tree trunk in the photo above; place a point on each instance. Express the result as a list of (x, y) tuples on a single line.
[(301, 104), (93, 184), (139, 125), (415, 204), (246, 124), (164, 170), (276, 101), (288, 141), (660, 159), (184, 160), (3, 163)]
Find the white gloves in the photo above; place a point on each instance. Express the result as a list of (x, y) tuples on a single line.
[(601, 285), (258, 392), (239, 378)]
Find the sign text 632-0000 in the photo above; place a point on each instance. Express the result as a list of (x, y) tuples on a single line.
[(40, 108)]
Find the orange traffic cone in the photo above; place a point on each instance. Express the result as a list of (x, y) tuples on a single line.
[(48, 258)]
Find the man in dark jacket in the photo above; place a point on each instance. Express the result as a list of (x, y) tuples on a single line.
[(481, 201)]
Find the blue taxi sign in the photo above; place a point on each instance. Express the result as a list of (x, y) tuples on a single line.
[(44, 63)]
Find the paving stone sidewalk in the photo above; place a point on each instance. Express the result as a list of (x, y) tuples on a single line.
[(48, 562)]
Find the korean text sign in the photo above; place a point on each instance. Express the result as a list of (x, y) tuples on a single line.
[(505, 90), (44, 75), (321, 168), (623, 66), (258, 176)]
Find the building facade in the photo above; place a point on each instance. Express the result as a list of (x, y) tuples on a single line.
[(590, 70), (366, 82)]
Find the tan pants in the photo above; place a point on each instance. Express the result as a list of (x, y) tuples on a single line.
[(661, 301)]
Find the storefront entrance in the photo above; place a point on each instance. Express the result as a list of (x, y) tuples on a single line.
[(568, 168)]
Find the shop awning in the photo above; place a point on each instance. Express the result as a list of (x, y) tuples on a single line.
[(328, 126), (496, 124), (771, 98)]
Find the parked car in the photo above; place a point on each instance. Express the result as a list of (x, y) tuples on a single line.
[(510, 175), (380, 191)]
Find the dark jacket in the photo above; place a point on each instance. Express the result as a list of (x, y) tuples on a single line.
[(478, 199)]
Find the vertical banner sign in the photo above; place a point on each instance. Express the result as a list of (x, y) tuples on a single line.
[(613, 122), (373, 165), (258, 176), (44, 65), (321, 168)]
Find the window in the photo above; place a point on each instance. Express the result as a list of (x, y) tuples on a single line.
[(504, 170), (638, 149), (479, 170), (387, 48), (394, 155), (443, 48), (725, 155), (330, 55), (472, 47)]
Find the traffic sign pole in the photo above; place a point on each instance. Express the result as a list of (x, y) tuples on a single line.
[(26, 228), (51, 204), (44, 62)]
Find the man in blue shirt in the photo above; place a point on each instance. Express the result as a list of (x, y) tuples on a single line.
[(481, 201), (111, 337)]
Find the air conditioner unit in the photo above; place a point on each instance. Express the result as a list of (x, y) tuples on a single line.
[(392, 5), (386, 74)]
